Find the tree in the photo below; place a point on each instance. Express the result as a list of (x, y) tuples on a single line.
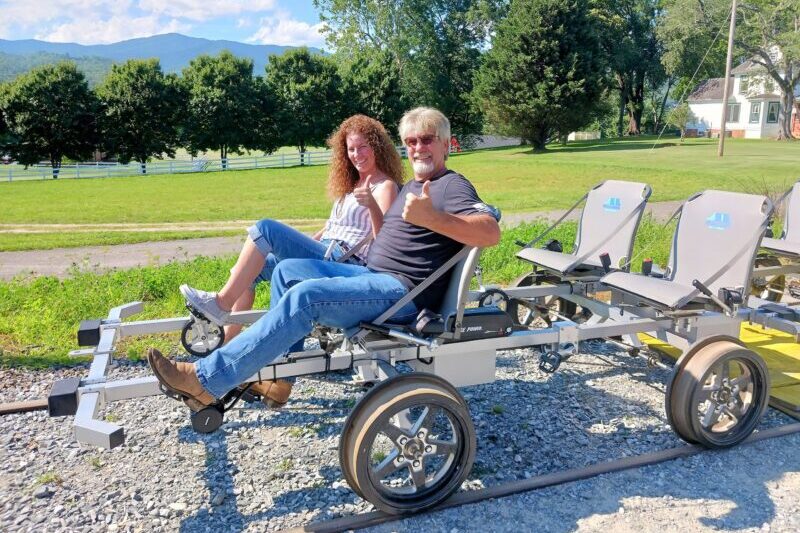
[(141, 111), (371, 85), (445, 57), (223, 106), (543, 74), (634, 54), (767, 33), (770, 35), (691, 52), (306, 87), (50, 114), (679, 116), (435, 45)]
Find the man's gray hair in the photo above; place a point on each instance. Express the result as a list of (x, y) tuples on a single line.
[(422, 120)]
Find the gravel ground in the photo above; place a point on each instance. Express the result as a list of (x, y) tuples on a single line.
[(269, 470)]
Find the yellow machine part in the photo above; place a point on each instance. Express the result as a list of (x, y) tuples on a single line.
[(779, 350)]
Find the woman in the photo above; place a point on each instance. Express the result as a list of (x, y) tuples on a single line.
[(365, 176)]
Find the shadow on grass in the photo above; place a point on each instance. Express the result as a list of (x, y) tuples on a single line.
[(620, 146), (603, 145)]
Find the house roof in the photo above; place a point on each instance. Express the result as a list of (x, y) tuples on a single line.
[(764, 96), (709, 90), (747, 66)]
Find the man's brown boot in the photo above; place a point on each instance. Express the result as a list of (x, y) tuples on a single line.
[(274, 394), (180, 379)]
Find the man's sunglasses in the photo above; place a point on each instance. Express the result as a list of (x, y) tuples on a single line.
[(425, 140)]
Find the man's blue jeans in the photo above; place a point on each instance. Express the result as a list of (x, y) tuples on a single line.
[(304, 292)]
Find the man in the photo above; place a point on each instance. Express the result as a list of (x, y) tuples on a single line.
[(434, 216)]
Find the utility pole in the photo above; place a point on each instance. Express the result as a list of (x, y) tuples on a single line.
[(726, 86)]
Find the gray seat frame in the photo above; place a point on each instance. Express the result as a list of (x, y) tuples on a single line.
[(717, 260), (608, 223), (455, 299)]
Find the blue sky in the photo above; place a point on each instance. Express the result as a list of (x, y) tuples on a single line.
[(284, 22)]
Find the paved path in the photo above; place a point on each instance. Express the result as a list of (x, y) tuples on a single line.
[(59, 261)]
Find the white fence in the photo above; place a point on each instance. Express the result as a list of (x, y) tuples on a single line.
[(14, 172)]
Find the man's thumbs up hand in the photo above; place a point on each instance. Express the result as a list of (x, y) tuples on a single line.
[(419, 209), (426, 190)]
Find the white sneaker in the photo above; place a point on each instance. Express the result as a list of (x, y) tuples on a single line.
[(206, 304)]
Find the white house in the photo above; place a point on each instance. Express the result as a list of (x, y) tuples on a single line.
[(753, 105)]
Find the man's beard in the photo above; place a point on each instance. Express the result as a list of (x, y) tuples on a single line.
[(422, 167)]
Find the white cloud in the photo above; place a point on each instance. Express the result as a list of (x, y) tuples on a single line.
[(105, 21), (116, 28), (202, 10), (286, 31), (33, 13)]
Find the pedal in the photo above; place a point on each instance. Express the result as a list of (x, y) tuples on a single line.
[(250, 397), (170, 393), (197, 313), (549, 362)]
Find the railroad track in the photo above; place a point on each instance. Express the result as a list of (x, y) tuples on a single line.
[(360, 521), (355, 522)]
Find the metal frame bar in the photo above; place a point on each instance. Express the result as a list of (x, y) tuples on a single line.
[(791, 268), (374, 358)]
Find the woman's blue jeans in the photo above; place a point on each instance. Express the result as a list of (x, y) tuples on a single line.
[(304, 292), (277, 241)]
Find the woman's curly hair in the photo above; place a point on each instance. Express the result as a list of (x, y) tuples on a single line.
[(343, 175)]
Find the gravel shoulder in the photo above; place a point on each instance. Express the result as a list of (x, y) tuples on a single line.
[(269, 470), (58, 262)]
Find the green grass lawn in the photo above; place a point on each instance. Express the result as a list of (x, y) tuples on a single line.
[(518, 180), (515, 179)]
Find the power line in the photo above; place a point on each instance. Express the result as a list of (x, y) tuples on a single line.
[(686, 89)]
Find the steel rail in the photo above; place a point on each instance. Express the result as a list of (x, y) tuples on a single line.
[(23, 407), (349, 523)]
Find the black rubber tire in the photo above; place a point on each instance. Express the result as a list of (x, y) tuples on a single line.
[(376, 408), (217, 339), (770, 289), (687, 394), (686, 433)]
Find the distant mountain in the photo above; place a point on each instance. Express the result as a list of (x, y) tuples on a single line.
[(172, 49), (12, 65)]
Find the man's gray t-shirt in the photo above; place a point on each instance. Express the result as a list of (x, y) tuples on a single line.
[(412, 253)]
